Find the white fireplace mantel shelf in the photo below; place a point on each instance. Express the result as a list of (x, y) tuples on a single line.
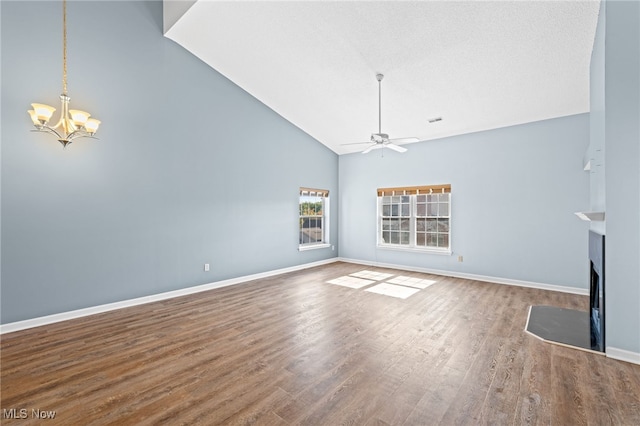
[(591, 216)]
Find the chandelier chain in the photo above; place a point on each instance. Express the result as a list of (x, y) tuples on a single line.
[(64, 47)]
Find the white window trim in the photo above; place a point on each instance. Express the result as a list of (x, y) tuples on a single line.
[(411, 247), (326, 229), (313, 246), (427, 250)]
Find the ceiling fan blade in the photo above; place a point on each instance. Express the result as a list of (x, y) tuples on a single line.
[(404, 140), (395, 147), (372, 147), (355, 143)]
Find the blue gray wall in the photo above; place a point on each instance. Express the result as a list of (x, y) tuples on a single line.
[(622, 162), (514, 192), (596, 152), (189, 169)]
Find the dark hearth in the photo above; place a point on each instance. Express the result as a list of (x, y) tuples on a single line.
[(560, 325)]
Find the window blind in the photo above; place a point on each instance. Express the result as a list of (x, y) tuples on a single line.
[(411, 190), (314, 192)]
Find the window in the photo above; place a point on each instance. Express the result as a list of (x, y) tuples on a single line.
[(415, 217), (314, 218)]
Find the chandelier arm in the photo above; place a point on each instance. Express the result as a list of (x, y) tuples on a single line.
[(58, 124), (77, 134), (48, 129), (82, 134)]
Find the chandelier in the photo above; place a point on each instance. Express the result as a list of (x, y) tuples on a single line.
[(73, 123)]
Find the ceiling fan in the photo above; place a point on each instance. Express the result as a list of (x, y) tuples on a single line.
[(381, 140)]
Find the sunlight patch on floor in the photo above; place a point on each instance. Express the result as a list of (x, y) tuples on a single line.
[(371, 275), (411, 282), (351, 282), (393, 290), (399, 286)]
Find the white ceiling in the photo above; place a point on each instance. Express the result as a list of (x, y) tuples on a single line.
[(479, 65)]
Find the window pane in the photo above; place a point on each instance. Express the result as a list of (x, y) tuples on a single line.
[(432, 225), (395, 237), (386, 210), (432, 197), (395, 199), (443, 225), (405, 210), (404, 224), (421, 239), (443, 198), (443, 209), (443, 240), (386, 237), (404, 238), (318, 231), (405, 198), (432, 240), (421, 225), (394, 210), (421, 198), (422, 209)]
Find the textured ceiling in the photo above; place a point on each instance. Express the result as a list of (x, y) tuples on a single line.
[(479, 65)]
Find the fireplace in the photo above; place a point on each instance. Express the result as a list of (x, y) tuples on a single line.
[(569, 327), (596, 290)]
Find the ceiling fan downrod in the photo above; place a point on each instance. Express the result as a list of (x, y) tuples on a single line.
[(379, 77)]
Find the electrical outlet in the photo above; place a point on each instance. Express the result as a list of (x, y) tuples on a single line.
[(333, 248), (459, 258), (206, 267)]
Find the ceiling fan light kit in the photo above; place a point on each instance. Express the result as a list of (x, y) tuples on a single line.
[(381, 140)]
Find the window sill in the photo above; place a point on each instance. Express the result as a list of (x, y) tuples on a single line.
[(313, 246), (442, 252)]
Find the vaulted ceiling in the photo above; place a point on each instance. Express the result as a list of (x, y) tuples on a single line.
[(477, 64)]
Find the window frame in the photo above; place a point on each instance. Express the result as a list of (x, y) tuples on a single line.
[(412, 245), (323, 194)]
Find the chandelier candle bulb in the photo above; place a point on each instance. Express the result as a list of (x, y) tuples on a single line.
[(79, 117), (91, 125), (42, 112)]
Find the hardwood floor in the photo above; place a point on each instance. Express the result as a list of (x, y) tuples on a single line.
[(293, 349)]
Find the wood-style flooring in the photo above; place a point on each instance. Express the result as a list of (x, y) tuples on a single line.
[(293, 349)]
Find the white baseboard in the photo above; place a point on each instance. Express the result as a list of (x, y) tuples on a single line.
[(497, 280), (623, 355), (64, 316)]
